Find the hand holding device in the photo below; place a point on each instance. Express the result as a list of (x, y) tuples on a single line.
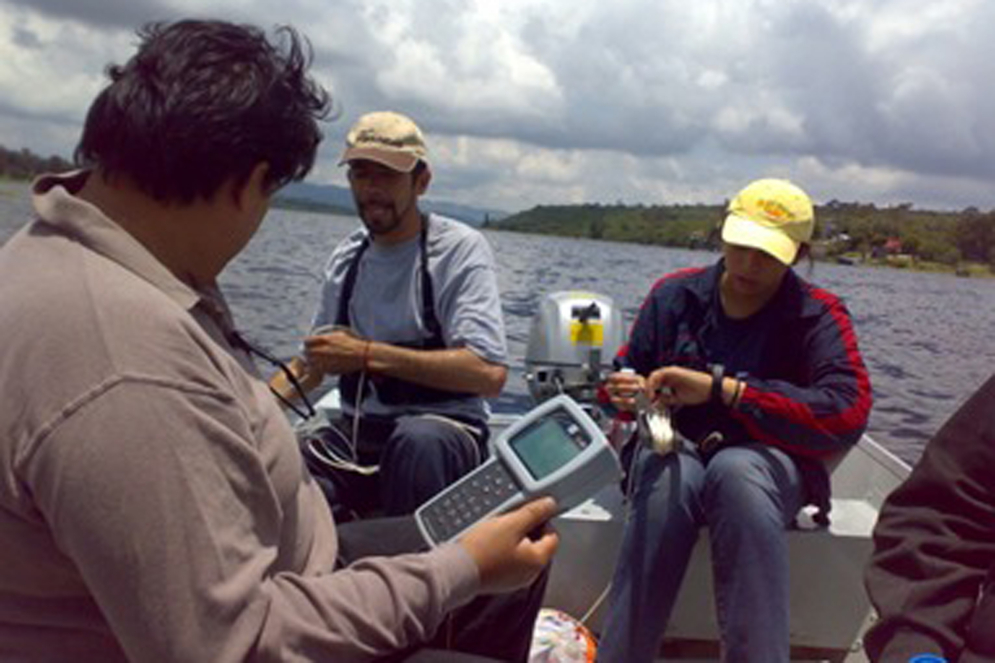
[(623, 387), (507, 555), (556, 449), (677, 385)]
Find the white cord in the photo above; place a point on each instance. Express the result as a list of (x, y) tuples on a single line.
[(627, 501), (329, 455), (357, 411), (597, 604), (472, 433)]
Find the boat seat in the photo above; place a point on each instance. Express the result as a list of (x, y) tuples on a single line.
[(829, 608), (852, 517), (596, 528), (848, 517)]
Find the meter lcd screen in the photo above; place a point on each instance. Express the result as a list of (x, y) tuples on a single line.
[(547, 446)]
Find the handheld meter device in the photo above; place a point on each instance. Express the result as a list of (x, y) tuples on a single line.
[(555, 449)]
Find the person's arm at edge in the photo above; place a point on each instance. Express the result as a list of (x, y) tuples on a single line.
[(934, 541)]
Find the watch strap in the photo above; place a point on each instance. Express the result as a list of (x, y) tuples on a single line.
[(718, 373)]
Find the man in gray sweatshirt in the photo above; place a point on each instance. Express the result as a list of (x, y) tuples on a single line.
[(153, 502)]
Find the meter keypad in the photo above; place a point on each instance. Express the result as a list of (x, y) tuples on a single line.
[(462, 505)]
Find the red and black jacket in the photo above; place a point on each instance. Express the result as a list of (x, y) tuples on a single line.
[(807, 389)]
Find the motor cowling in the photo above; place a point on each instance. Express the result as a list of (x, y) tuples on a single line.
[(573, 338)]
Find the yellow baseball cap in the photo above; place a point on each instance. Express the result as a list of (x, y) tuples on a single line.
[(771, 215), (388, 138)]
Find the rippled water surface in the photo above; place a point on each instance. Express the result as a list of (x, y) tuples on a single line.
[(924, 336)]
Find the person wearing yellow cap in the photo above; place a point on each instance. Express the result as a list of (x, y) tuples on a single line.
[(410, 322), (765, 381)]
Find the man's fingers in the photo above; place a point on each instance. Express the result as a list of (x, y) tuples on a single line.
[(545, 546), (533, 514)]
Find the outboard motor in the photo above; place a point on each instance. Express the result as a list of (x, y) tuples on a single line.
[(572, 341)]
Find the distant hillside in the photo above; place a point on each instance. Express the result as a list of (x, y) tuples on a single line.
[(475, 216), (24, 164), (670, 225), (328, 199), (896, 235), (338, 200)]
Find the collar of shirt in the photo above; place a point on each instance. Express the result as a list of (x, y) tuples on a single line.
[(56, 204)]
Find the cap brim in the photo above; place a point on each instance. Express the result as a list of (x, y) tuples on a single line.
[(399, 161), (744, 232)]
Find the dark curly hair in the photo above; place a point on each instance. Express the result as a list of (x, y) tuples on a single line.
[(202, 102)]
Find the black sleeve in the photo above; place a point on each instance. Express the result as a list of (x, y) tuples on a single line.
[(643, 345), (829, 413), (934, 542)]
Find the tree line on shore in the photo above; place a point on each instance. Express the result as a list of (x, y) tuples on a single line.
[(897, 234), (24, 164)]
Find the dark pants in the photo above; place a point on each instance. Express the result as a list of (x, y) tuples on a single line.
[(489, 628), (418, 456)]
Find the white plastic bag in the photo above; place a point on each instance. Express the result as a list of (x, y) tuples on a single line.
[(559, 638)]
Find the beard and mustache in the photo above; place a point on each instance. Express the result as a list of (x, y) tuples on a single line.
[(381, 214)]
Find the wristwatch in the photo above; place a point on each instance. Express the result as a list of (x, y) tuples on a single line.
[(718, 373)]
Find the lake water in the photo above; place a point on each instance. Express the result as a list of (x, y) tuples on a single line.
[(922, 335)]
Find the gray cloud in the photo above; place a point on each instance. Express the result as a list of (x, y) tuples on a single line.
[(637, 100), (100, 13), (917, 105), (25, 39)]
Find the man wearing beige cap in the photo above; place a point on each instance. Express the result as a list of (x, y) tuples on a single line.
[(768, 381), (412, 328)]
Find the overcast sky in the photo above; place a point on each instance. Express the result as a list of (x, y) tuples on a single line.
[(529, 102)]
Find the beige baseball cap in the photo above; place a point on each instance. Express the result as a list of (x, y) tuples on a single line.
[(771, 215), (388, 138)]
